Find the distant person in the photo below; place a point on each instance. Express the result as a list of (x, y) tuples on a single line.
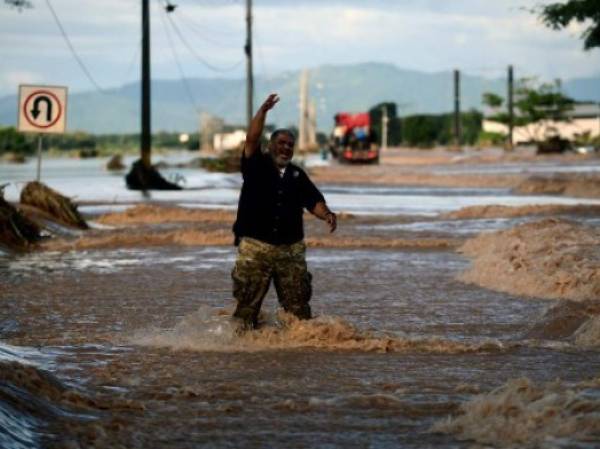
[(269, 227)]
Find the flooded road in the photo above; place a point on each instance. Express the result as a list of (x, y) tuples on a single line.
[(141, 342), (131, 345)]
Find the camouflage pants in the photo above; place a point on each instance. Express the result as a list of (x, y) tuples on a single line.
[(257, 263)]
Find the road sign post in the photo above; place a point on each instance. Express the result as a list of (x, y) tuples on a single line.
[(42, 110), (39, 160)]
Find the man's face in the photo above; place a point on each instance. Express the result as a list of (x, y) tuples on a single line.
[(282, 149)]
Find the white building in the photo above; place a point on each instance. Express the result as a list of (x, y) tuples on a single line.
[(583, 119), (228, 141)]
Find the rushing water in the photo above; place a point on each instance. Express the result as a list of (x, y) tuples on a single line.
[(142, 336), (135, 348)]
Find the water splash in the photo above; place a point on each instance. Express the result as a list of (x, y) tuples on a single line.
[(215, 330), (523, 414)]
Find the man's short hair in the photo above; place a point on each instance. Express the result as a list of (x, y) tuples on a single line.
[(282, 131)]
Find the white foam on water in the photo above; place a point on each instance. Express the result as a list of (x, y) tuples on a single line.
[(214, 330), (524, 414)]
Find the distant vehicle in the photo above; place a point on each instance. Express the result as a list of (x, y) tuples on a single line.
[(353, 140)]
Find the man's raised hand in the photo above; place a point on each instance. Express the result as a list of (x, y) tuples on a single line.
[(257, 124), (270, 102)]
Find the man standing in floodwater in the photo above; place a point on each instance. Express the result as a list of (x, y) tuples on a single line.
[(269, 229)]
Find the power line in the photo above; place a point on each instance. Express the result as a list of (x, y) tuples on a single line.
[(198, 31), (197, 56), (261, 58), (135, 58), (201, 28), (70, 45), (176, 58)]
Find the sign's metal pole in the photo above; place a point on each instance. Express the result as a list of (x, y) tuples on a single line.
[(39, 161)]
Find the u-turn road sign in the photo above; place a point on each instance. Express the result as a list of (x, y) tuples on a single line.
[(42, 109)]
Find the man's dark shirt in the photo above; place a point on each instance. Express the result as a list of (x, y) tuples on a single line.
[(270, 207)]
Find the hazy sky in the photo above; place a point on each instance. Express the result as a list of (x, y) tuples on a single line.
[(478, 36)]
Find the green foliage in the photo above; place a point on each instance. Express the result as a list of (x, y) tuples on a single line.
[(90, 144), (488, 139), (71, 141), (534, 102), (194, 142), (492, 100), (427, 130), (118, 142), (471, 123), (422, 130), (560, 15), (586, 138), (537, 102), (15, 142)]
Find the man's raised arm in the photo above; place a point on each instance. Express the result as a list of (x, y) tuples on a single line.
[(257, 124)]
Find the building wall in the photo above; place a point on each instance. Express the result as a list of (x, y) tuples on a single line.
[(228, 141), (547, 128)]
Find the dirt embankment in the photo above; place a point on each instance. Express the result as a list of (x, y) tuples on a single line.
[(393, 175), (577, 185), (497, 211), (414, 167), (155, 214), (118, 239), (141, 226), (577, 322), (554, 259), (224, 237)]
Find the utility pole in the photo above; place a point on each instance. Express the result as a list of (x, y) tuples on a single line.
[(303, 124), (598, 113), (142, 175), (146, 137), (457, 130), (249, 75), (384, 128), (511, 115), (312, 124)]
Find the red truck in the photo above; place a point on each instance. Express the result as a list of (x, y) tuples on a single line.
[(353, 140)]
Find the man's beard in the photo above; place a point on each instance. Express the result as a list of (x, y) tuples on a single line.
[(280, 161)]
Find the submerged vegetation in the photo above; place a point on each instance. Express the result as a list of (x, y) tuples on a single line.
[(86, 144), (58, 206), (17, 232)]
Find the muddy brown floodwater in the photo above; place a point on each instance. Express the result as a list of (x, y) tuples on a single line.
[(121, 337), (141, 347)]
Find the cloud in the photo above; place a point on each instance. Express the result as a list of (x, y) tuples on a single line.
[(476, 36), (11, 79)]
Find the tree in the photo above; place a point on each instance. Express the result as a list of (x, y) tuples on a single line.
[(19, 4), (492, 100), (15, 142), (560, 15), (537, 105)]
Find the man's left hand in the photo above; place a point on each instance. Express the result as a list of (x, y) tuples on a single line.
[(331, 220)]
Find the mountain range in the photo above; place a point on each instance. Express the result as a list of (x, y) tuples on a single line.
[(334, 88)]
